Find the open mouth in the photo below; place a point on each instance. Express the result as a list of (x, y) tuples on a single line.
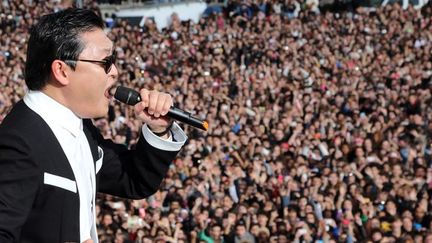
[(109, 92)]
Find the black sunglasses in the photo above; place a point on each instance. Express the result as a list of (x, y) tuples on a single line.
[(106, 63)]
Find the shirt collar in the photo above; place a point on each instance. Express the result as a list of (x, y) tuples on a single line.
[(53, 112)]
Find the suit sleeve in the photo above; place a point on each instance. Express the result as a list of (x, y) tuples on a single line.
[(19, 182), (133, 174)]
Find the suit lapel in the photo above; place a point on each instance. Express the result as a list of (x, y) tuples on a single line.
[(92, 142), (59, 164)]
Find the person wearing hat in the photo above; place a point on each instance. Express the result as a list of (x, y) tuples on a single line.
[(242, 235)]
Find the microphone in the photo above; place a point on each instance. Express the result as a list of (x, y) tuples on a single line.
[(131, 97)]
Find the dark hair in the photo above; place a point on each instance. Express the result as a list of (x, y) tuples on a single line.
[(56, 36)]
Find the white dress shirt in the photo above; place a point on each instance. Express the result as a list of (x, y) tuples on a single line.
[(68, 129)]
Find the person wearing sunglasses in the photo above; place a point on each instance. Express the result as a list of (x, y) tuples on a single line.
[(53, 159), (105, 63)]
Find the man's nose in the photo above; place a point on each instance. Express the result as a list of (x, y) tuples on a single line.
[(114, 71)]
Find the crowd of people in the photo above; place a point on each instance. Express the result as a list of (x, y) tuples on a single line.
[(319, 122)]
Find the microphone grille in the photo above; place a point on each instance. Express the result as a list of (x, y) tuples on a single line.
[(127, 95)]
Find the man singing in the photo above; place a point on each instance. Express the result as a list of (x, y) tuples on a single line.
[(52, 158)]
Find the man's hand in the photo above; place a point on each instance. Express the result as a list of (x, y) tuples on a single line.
[(153, 108)]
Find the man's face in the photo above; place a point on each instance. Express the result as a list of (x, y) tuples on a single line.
[(262, 219), (240, 230), (215, 232), (87, 92), (107, 220), (391, 208), (407, 224)]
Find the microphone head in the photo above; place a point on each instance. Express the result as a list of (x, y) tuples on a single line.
[(127, 95)]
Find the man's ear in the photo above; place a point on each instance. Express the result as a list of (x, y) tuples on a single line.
[(61, 71)]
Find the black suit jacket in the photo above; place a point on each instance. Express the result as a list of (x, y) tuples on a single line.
[(34, 210)]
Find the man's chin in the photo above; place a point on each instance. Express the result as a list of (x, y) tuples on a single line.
[(100, 113)]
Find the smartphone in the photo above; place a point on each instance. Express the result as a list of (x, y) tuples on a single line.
[(305, 151), (324, 151)]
